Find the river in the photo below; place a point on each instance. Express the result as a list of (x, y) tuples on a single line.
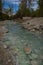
[(17, 39)]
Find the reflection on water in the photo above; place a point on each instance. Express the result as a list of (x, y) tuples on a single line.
[(17, 39)]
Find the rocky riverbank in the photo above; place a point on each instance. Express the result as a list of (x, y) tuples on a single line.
[(34, 25), (5, 57)]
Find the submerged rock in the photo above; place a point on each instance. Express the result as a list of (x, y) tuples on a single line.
[(27, 50), (5, 46), (34, 62), (33, 56)]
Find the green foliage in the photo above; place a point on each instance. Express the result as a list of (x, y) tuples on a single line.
[(2, 15), (40, 3), (39, 11), (35, 13), (0, 9), (26, 12), (0, 5), (23, 11), (5, 16)]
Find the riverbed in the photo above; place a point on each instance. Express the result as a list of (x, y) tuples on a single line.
[(17, 39)]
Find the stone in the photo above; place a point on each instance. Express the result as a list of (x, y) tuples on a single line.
[(34, 56), (33, 30), (3, 29), (5, 46), (27, 50), (40, 32), (34, 62), (9, 60), (7, 31), (36, 50), (26, 18), (28, 23), (41, 57), (41, 27), (36, 27)]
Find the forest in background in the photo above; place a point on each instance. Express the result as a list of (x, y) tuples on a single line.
[(23, 11)]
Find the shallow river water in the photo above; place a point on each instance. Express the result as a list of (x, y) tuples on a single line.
[(17, 39)]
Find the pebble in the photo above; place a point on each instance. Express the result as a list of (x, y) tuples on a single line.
[(9, 60), (22, 40), (33, 30), (5, 46), (36, 50), (27, 50)]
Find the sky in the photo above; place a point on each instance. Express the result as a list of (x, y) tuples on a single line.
[(15, 4), (12, 1)]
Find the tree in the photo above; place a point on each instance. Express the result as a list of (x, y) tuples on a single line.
[(29, 3), (0, 9), (40, 3), (23, 11), (22, 7), (0, 5)]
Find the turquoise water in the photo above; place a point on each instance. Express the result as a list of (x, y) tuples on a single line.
[(17, 39)]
